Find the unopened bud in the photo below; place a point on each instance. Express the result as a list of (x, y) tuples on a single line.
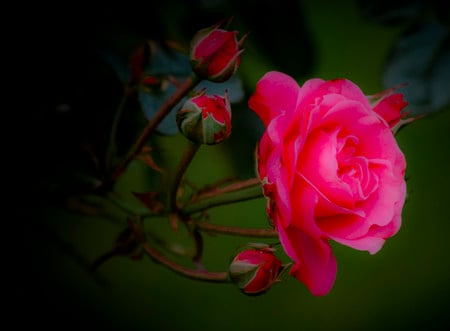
[(215, 53), (205, 119), (256, 269)]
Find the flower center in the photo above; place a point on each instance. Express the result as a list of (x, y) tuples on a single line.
[(355, 170)]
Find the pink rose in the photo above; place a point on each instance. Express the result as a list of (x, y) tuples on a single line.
[(331, 170)]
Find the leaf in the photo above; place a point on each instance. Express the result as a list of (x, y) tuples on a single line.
[(390, 12), (166, 60), (233, 86), (151, 102), (421, 59)]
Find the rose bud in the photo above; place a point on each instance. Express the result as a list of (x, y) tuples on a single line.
[(205, 119), (215, 53), (256, 269)]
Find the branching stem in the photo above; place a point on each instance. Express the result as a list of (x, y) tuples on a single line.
[(181, 92)]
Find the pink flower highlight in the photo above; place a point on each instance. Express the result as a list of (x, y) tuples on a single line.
[(331, 170)]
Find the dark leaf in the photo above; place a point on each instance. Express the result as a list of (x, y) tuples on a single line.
[(391, 12), (421, 60), (151, 102)]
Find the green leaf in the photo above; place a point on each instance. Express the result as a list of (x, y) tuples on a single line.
[(421, 59)]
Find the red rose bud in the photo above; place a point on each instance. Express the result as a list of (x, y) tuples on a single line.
[(255, 270), (205, 119), (215, 53)]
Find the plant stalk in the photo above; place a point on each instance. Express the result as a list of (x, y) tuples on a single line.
[(181, 92), (186, 158), (242, 191)]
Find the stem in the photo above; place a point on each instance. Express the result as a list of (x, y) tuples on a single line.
[(185, 271), (186, 159), (241, 191), (182, 91), (235, 186), (236, 231)]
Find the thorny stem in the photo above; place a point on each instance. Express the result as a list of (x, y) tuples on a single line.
[(218, 277), (182, 91)]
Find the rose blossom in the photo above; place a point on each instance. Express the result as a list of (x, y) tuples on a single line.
[(331, 170)]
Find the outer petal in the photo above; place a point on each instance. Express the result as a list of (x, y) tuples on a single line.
[(372, 244), (315, 264), (275, 93), (304, 243)]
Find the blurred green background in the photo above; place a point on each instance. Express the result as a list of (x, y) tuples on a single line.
[(404, 286)]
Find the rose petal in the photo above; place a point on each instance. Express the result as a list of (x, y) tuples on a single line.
[(275, 92), (383, 205), (321, 169), (213, 42), (226, 56), (315, 264), (346, 88), (371, 244)]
